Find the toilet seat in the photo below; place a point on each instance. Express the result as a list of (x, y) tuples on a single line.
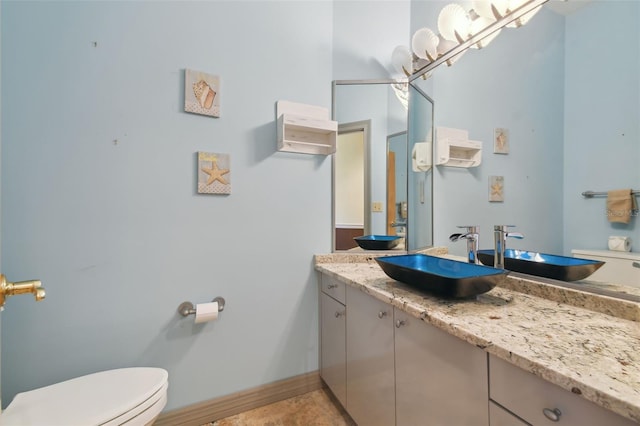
[(127, 395)]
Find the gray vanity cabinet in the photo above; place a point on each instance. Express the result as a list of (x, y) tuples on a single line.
[(333, 369), (333, 353), (539, 402), (440, 379), (389, 368), (370, 360)]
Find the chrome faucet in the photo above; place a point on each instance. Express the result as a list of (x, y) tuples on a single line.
[(500, 235), (472, 242)]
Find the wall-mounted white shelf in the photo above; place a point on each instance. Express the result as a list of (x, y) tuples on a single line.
[(454, 149), (305, 129)]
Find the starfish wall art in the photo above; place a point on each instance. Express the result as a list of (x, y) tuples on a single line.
[(214, 173), (496, 188)]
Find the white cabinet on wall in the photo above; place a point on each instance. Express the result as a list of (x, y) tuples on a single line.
[(333, 355), (370, 363), (539, 402), (439, 377), (305, 129)]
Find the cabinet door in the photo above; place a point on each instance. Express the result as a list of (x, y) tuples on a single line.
[(370, 366), (498, 416), (440, 379), (333, 351)]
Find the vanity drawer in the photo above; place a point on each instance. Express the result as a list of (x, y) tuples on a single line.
[(529, 396), (333, 288)]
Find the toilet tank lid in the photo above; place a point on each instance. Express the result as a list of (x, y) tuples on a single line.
[(92, 399), (627, 255)]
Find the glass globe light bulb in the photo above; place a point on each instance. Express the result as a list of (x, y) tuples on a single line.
[(453, 23), (402, 60), (424, 44)]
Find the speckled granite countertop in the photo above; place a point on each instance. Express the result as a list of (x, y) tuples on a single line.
[(581, 350)]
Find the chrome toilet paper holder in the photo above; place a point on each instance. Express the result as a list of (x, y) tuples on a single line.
[(188, 308)]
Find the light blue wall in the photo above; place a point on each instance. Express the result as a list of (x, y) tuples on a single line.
[(118, 234), (516, 83), (365, 34), (602, 131)]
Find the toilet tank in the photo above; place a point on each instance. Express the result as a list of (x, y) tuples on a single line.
[(620, 267)]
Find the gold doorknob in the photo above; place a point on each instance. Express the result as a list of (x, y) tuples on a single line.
[(12, 289)]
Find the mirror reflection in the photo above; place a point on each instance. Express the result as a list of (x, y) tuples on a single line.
[(420, 181), (373, 190), (567, 99), (397, 210)]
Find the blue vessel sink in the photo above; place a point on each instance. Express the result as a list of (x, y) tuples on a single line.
[(544, 265), (443, 277), (377, 242)]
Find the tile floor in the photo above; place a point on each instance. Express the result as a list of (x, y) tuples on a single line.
[(317, 408)]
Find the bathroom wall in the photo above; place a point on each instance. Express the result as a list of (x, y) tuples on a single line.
[(365, 34), (98, 185), (602, 130), (515, 83)]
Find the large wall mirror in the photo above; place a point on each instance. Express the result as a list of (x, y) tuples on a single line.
[(566, 89), (377, 188)]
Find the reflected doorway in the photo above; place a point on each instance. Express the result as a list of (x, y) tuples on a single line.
[(350, 184)]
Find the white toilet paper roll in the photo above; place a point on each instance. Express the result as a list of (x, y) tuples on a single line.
[(206, 312), (619, 243)]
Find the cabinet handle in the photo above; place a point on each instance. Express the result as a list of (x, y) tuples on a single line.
[(400, 323), (382, 314), (553, 415), (330, 286), (339, 314)]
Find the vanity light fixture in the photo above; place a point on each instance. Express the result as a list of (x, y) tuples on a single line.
[(401, 90), (522, 20), (424, 44), (478, 23), (445, 46), (453, 23), (402, 60), (459, 30)]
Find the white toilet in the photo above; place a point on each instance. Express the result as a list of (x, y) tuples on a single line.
[(130, 396)]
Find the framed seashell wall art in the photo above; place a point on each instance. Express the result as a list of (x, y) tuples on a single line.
[(214, 173), (501, 141), (201, 93)]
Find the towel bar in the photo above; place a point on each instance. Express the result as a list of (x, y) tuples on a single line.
[(591, 194)]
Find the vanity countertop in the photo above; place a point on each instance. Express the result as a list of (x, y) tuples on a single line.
[(581, 350)]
